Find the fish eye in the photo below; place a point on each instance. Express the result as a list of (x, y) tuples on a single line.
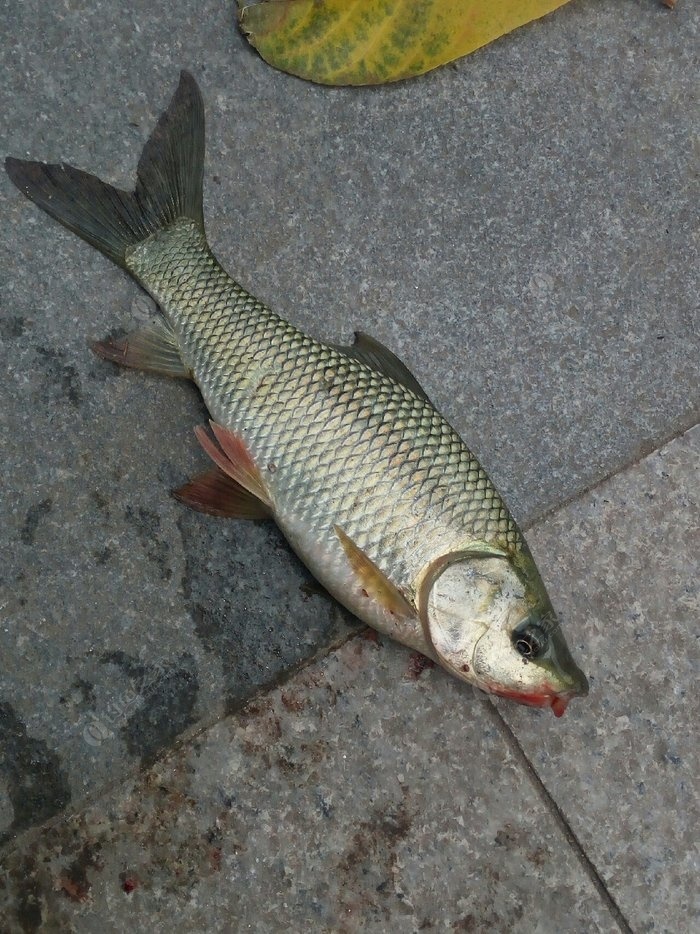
[(530, 641)]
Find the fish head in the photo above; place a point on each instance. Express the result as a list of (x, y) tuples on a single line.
[(489, 621)]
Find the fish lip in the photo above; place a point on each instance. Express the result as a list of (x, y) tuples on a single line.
[(557, 700)]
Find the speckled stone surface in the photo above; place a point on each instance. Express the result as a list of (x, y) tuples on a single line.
[(519, 227), (363, 795), (624, 766), (354, 798)]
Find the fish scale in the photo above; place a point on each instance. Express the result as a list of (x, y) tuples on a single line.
[(350, 446)]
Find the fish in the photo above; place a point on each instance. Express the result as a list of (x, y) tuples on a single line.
[(371, 486)]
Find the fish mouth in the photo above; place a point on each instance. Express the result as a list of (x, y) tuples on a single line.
[(557, 701)]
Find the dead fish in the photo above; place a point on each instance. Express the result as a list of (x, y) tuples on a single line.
[(371, 486)]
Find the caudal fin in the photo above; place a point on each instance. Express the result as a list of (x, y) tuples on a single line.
[(168, 183)]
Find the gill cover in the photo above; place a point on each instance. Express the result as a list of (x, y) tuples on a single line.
[(452, 602)]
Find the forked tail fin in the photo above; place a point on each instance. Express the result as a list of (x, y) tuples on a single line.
[(168, 183)]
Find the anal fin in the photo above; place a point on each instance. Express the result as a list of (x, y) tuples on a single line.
[(216, 494), (373, 582), (152, 348)]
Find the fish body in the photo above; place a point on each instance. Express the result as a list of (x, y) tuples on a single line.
[(373, 489), (338, 442)]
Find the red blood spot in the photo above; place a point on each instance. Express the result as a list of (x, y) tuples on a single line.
[(75, 889), (292, 702), (465, 667), (417, 665), (129, 884)]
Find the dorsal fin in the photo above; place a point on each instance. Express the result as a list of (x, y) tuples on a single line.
[(374, 354)]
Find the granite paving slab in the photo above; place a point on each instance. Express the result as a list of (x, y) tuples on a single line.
[(624, 765), (521, 227), (353, 798), (366, 794)]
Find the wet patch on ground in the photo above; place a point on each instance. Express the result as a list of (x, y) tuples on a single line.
[(166, 697), (11, 327), (148, 527), (254, 604), (61, 380), (32, 519), (36, 784)]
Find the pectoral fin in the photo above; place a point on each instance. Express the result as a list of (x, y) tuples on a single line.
[(153, 348), (216, 494), (372, 580), (234, 459)]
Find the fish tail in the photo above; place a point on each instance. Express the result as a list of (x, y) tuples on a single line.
[(168, 184)]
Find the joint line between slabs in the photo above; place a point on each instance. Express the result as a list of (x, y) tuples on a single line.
[(563, 824), (687, 423)]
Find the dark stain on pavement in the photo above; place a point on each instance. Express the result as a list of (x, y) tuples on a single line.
[(148, 528), (102, 555), (37, 785), (101, 504), (73, 881), (31, 521), (86, 689), (30, 896), (249, 598), (369, 861), (11, 327), (168, 696), (61, 380)]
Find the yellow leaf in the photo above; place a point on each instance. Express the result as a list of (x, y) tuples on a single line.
[(375, 41)]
